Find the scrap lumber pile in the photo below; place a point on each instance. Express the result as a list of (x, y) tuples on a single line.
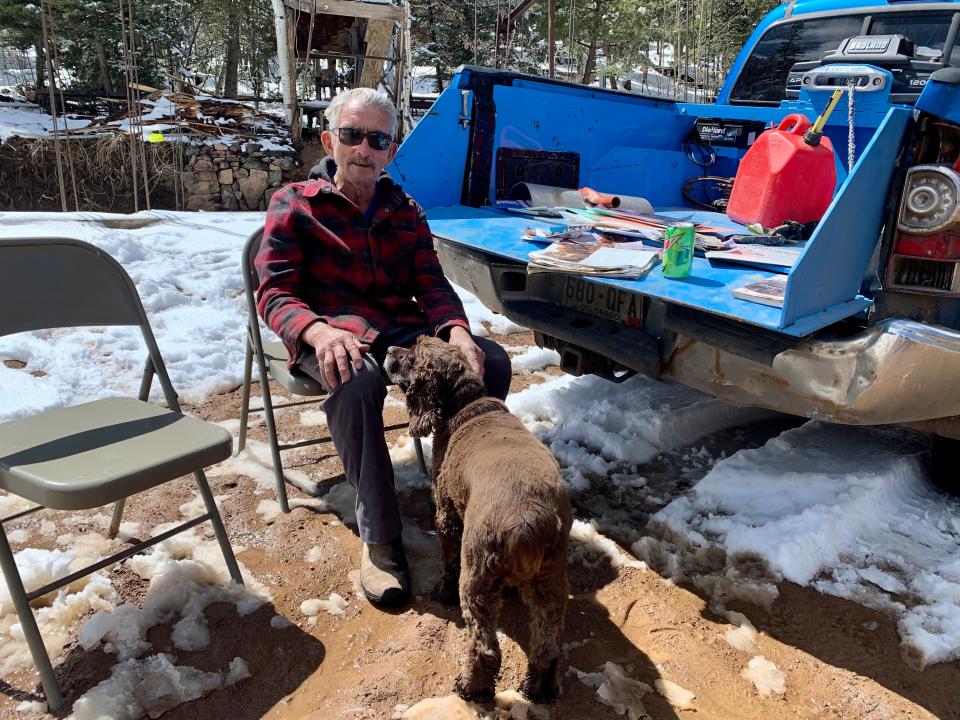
[(175, 113)]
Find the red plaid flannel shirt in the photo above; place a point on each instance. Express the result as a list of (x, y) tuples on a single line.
[(320, 259)]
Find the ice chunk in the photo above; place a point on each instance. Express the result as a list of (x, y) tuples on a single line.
[(765, 676), (335, 605), (744, 636), (614, 688), (151, 687), (677, 696)]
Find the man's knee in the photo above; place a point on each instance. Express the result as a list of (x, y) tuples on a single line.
[(497, 369), (364, 386)]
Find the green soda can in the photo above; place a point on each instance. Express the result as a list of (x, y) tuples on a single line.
[(678, 249)]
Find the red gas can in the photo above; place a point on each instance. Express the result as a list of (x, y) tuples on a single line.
[(782, 177)]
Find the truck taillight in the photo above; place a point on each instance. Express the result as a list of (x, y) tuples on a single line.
[(926, 254)]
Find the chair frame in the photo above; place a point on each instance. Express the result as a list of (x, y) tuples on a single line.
[(254, 350), (154, 366)]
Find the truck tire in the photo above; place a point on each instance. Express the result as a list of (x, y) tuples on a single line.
[(945, 464)]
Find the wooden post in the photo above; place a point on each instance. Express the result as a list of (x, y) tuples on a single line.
[(283, 56), (551, 38), (296, 126), (377, 38)]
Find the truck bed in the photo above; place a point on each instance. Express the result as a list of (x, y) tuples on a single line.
[(500, 234)]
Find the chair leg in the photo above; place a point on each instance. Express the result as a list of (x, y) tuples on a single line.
[(28, 623), (274, 442), (245, 397), (418, 446), (218, 528), (116, 518)]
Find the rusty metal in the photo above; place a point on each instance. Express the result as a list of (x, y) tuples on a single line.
[(897, 371)]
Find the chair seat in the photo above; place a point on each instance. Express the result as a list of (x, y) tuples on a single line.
[(99, 452), (292, 381)]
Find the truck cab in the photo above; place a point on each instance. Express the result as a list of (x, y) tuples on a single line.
[(869, 327)]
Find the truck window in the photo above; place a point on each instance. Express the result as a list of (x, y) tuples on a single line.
[(764, 75), (927, 30)]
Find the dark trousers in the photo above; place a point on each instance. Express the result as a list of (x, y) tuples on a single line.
[(355, 419)]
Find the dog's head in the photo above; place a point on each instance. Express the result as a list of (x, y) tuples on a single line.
[(436, 381)]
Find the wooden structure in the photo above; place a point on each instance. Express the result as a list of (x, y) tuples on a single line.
[(343, 44)]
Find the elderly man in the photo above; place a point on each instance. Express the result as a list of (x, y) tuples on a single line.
[(347, 268)]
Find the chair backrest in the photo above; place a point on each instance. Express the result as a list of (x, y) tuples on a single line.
[(56, 282), (251, 281), (61, 282)]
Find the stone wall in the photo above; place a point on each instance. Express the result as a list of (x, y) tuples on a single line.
[(238, 176)]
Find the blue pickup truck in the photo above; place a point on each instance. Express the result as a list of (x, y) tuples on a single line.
[(869, 328)]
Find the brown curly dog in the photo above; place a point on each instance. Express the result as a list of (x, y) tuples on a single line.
[(503, 513)]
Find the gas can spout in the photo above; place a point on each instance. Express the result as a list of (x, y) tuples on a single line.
[(812, 136)]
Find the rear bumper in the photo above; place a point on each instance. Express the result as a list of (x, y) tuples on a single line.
[(898, 371)]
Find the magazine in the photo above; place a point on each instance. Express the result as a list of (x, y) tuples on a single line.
[(762, 255), (766, 292), (600, 258)]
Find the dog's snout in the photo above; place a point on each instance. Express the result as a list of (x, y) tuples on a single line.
[(390, 362)]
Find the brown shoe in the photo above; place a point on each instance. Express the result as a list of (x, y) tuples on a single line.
[(384, 575)]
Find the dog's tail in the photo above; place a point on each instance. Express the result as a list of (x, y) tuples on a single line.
[(536, 534)]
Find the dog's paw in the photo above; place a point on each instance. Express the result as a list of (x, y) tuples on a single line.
[(477, 695), (540, 688)]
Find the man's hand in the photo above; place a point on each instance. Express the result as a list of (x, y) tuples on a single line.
[(460, 338), (335, 349)]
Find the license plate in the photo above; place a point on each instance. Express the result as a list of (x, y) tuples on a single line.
[(603, 301)]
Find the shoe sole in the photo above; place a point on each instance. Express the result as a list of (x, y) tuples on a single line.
[(394, 597)]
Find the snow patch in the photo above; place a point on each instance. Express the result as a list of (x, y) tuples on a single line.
[(615, 689), (151, 687), (744, 636), (588, 537), (62, 609), (845, 510), (765, 676), (597, 427), (335, 605), (186, 575), (675, 695), (534, 358)]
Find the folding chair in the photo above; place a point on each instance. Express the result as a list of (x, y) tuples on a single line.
[(271, 360), (100, 452)]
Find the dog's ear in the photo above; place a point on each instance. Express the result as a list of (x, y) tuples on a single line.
[(425, 392), (423, 407)]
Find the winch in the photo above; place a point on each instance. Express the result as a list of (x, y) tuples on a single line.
[(863, 58)]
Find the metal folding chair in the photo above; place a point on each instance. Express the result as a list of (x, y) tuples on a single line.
[(271, 358), (99, 452)]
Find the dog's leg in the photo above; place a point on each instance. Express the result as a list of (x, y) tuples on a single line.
[(480, 599), (450, 531), (546, 598)]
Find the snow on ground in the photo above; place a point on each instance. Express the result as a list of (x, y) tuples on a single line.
[(845, 510), (24, 119), (187, 270), (597, 428)]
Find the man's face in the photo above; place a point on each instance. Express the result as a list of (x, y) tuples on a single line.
[(359, 165)]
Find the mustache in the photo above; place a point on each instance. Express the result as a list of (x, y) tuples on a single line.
[(361, 163)]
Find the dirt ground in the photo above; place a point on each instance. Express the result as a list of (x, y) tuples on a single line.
[(840, 660)]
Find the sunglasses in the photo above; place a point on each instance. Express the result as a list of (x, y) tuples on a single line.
[(354, 136)]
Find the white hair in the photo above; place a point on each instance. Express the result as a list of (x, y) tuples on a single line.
[(361, 96)]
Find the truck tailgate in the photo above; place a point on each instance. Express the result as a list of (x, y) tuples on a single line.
[(500, 234)]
